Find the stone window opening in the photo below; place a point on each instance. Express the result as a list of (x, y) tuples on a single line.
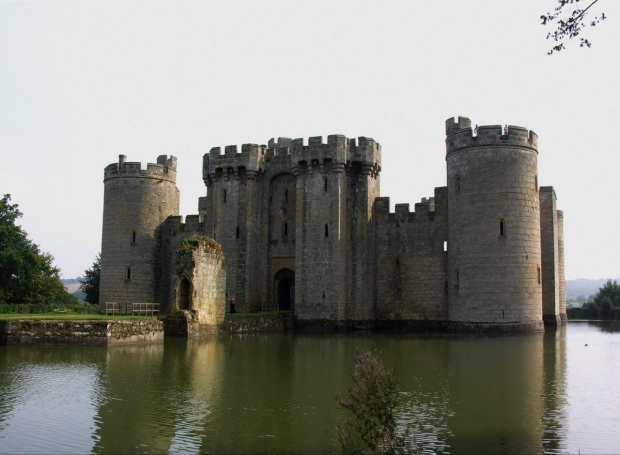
[(128, 274), (535, 183), (326, 230), (538, 274), (224, 196), (285, 194), (445, 245), (285, 229), (457, 184), (133, 237), (456, 278), (502, 228), (325, 183), (237, 234)]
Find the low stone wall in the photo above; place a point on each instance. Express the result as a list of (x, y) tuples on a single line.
[(267, 323), (80, 332)]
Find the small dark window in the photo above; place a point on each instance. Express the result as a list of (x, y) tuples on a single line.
[(502, 231), (129, 273), (538, 272), (285, 195), (285, 229), (457, 183), (224, 196), (133, 237), (326, 230), (237, 231), (325, 183)]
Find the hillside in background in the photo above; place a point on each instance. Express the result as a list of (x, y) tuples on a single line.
[(585, 287), (72, 285)]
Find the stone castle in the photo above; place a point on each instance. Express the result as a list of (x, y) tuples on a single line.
[(288, 226)]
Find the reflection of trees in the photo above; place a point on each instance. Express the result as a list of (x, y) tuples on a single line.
[(606, 326)]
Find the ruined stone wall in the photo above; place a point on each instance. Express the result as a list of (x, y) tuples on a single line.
[(199, 261), (411, 277), (136, 202), (549, 250), (494, 247)]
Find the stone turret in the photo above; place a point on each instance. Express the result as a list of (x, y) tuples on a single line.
[(136, 202), (494, 244)]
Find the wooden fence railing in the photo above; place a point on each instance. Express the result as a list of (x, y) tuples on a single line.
[(135, 309)]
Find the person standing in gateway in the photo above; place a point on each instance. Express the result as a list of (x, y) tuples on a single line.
[(232, 305)]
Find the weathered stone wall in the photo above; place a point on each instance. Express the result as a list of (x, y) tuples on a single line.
[(81, 332), (136, 202), (561, 270), (199, 265), (494, 255), (411, 278), (549, 250)]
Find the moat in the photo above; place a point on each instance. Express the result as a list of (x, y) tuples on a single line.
[(273, 393)]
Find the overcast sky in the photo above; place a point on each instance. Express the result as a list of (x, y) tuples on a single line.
[(82, 82)]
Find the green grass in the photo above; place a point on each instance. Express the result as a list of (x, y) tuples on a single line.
[(56, 316)]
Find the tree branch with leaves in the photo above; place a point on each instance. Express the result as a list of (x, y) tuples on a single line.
[(570, 24)]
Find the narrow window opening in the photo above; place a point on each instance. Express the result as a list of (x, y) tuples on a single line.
[(224, 196), (536, 183), (326, 230), (285, 195), (237, 231), (538, 273), (133, 237), (129, 273), (285, 229), (501, 228), (445, 245), (457, 183), (325, 183)]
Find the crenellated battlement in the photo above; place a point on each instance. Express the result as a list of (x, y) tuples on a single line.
[(339, 151), (460, 135), (424, 210), (250, 161), (164, 169)]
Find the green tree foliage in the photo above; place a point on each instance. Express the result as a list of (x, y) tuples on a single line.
[(372, 400), (26, 274), (569, 20), (90, 282), (606, 304)]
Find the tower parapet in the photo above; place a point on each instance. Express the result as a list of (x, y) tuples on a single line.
[(164, 169), (339, 151), (459, 135), (250, 161)]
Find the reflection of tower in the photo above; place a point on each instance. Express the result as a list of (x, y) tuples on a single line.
[(136, 202), (554, 400), (561, 272), (494, 252)]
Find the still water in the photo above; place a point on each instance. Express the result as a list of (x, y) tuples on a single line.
[(555, 392)]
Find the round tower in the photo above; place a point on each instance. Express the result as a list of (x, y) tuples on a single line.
[(136, 202), (494, 249)]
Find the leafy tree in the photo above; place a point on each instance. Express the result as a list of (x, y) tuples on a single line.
[(90, 282), (569, 24), (26, 274), (609, 292), (372, 400)]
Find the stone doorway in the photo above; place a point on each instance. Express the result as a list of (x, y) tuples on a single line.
[(183, 295), (284, 284)]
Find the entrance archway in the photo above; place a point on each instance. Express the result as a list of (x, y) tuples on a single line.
[(184, 294), (284, 287)]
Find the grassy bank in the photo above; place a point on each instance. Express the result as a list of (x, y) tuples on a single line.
[(57, 316), (257, 314)]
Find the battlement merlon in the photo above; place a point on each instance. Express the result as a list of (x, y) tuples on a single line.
[(402, 212), (164, 169), (251, 159), (460, 135), (339, 150)]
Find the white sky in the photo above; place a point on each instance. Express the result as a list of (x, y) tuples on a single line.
[(82, 82)]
